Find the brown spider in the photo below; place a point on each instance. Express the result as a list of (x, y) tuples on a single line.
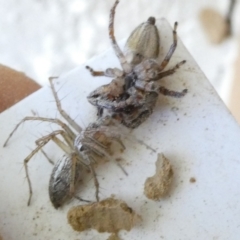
[(82, 148), (132, 94)]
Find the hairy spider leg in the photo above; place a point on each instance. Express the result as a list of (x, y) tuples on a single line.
[(61, 111)]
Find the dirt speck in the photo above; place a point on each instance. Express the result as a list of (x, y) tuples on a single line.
[(158, 185), (109, 215), (192, 180)]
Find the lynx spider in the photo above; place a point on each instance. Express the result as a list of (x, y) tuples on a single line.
[(81, 150)]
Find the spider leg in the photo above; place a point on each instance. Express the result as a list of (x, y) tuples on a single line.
[(96, 183), (88, 160), (96, 148), (73, 174), (171, 50), (170, 71), (67, 148), (52, 120), (46, 156), (42, 142), (95, 73), (113, 135), (82, 200), (109, 134), (137, 120), (61, 111), (109, 72), (170, 93), (134, 100), (125, 65)]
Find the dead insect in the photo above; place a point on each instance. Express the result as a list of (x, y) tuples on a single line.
[(133, 92), (81, 151)]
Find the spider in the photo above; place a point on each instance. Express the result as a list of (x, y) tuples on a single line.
[(132, 94), (81, 151)]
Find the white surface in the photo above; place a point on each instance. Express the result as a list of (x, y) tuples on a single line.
[(197, 134)]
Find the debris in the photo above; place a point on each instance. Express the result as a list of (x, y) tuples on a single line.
[(109, 215), (192, 180), (157, 186)]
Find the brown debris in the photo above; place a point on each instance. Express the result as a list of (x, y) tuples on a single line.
[(109, 215), (114, 236), (192, 180), (215, 25), (158, 185)]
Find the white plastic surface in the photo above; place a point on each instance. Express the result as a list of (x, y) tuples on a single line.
[(197, 133)]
